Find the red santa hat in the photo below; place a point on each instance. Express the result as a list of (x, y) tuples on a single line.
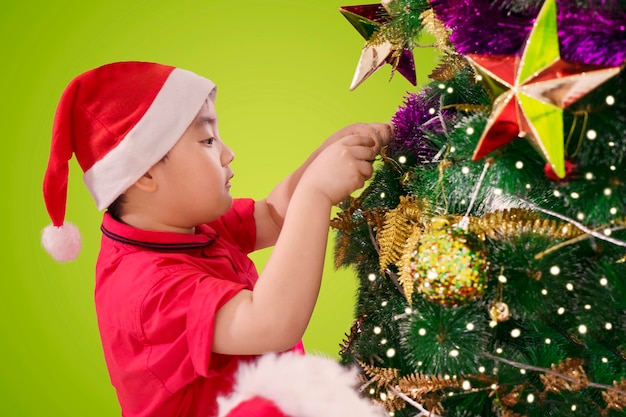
[(118, 120), (296, 385)]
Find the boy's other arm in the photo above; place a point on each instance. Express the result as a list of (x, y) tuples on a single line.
[(274, 316), (270, 212)]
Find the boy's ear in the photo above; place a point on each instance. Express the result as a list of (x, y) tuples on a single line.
[(146, 183)]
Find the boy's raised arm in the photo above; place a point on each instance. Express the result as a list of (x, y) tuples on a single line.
[(275, 315)]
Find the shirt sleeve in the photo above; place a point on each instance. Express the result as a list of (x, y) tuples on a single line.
[(209, 297), (177, 318), (238, 225)]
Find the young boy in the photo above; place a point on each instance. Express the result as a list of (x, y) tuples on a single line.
[(180, 305)]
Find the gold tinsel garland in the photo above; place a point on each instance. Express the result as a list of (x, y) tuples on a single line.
[(515, 222)]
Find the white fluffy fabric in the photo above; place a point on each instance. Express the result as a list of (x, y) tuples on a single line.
[(62, 243), (301, 386)]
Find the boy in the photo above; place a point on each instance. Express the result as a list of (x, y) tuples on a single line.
[(179, 303)]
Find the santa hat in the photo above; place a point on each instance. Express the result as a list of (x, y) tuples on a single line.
[(119, 120), (296, 385)]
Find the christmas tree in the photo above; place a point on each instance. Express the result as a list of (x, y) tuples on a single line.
[(490, 244)]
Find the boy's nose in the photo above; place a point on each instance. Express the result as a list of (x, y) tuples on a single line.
[(227, 155)]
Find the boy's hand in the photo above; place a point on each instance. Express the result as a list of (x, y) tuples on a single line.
[(344, 165), (383, 132)]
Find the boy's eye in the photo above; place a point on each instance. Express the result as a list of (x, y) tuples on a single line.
[(208, 141)]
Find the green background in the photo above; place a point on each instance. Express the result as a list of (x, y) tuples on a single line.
[(283, 69)]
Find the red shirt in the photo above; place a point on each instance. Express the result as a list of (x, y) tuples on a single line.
[(156, 297)]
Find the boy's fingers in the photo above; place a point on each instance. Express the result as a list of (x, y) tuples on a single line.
[(376, 135), (361, 140), (384, 133), (374, 151)]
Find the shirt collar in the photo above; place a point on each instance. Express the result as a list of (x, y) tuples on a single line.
[(111, 228)]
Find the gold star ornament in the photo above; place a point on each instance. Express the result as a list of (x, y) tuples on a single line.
[(368, 19), (532, 90)]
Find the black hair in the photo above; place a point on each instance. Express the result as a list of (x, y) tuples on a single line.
[(115, 208)]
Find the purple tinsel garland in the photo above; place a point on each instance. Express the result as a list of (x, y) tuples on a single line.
[(595, 34), (479, 28), (412, 121)]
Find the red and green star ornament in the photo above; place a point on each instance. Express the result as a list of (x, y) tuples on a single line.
[(368, 19), (532, 90)]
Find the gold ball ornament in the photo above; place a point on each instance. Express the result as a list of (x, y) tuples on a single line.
[(449, 265), (499, 312)]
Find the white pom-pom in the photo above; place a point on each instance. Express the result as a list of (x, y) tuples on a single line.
[(62, 243), (300, 386)]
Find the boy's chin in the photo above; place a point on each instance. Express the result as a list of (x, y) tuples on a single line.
[(226, 205)]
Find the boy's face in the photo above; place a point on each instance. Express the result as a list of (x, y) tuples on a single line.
[(194, 178)]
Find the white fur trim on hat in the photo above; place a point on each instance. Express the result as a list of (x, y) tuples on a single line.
[(301, 386), (62, 243), (151, 138)]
